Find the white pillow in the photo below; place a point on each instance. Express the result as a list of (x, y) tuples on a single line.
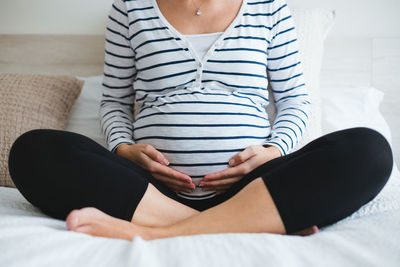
[(347, 107), (312, 27)]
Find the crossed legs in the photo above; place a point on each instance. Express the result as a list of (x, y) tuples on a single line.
[(258, 214), (344, 160), (60, 172)]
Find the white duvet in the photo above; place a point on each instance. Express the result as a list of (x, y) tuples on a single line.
[(369, 237)]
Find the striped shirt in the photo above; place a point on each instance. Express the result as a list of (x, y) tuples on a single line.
[(200, 111)]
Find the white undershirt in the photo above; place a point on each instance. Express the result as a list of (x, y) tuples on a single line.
[(202, 42)]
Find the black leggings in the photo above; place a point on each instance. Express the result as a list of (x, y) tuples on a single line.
[(319, 184)]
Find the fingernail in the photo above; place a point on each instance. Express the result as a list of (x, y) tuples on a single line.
[(165, 161), (231, 162)]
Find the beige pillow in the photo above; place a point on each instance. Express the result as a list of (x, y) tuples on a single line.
[(312, 27), (32, 101)]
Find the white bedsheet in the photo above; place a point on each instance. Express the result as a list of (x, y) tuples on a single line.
[(369, 237)]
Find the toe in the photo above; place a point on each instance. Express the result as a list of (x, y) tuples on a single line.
[(79, 217), (307, 231), (310, 231), (315, 229), (72, 220)]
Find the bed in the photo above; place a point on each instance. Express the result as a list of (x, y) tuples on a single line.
[(369, 237)]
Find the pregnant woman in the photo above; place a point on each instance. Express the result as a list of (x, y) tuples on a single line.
[(199, 155)]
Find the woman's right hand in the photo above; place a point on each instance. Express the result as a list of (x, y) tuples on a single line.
[(149, 158)]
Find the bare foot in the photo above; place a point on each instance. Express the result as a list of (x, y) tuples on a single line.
[(94, 222), (308, 231)]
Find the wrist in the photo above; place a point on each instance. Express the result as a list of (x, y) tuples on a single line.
[(122, 149), (276, 150)]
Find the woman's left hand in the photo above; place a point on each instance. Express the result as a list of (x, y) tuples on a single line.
[(240, 165)]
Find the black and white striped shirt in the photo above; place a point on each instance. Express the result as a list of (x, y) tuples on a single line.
[(199, 112)]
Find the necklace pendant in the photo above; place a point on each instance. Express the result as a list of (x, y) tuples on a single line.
[(198, 12)]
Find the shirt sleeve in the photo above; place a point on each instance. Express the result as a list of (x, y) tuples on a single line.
[(117, 102), (286, 77)]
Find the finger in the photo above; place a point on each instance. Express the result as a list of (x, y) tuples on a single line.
[(183, 185), (178, 189), (155, 155), (239, 170), (173, 187), (183, 189), (173, 182), (169, 172), (226, 181), (155, 167), (242, 156)]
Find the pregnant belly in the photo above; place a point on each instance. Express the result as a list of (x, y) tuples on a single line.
[(199, 134)]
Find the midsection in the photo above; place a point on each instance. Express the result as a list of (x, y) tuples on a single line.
[(199, 131)]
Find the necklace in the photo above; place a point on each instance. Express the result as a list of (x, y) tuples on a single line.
[(198, 11)]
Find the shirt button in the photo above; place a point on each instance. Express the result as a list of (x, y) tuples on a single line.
[(198, 76), (200, 65), (209, 53)]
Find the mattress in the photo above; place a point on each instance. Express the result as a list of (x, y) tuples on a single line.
[(369, 237)]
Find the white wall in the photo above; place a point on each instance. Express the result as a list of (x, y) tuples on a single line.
[(360, 18), (53, 16)]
